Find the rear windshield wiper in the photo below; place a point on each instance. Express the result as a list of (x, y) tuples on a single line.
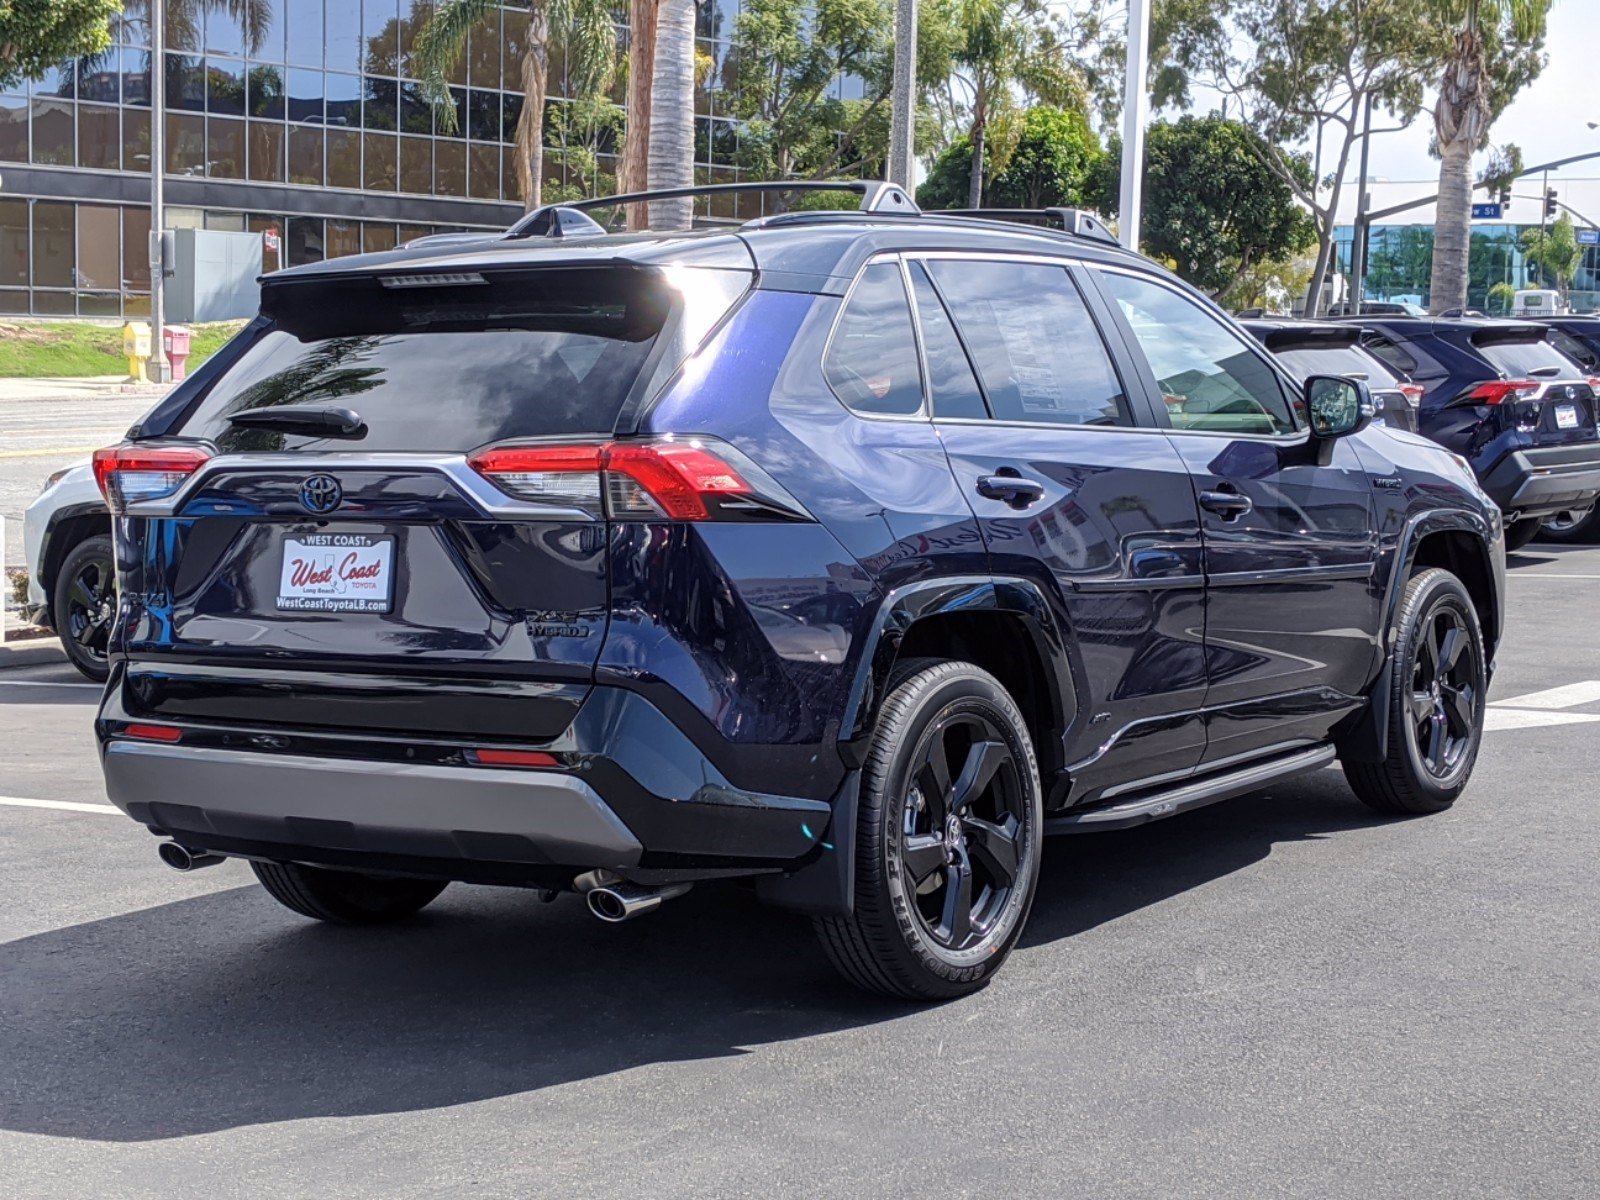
[(1544, 372), (326, 422)]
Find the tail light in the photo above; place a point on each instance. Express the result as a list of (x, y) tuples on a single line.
[(1499, 391), (131, 473), (1594, 384), (1413, 393), (674, 479)]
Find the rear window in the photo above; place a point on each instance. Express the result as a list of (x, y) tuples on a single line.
[(502, 355), (1390, 353), (1336, 360), (1540, 360)]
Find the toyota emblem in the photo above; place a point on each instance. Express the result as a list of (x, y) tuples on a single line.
[(321, 494)]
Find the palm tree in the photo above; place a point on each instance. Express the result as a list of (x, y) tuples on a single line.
[(671, 145), (633, 174), (1461, 124), (591, 42)]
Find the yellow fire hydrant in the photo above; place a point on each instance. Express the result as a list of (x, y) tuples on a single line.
[(136, 347)]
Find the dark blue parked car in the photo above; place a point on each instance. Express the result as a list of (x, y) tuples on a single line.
[(1307, 348), (1517, 409), (847, 553)]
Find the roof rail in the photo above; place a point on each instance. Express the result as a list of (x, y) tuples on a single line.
[(556, 220), (1075, 221)]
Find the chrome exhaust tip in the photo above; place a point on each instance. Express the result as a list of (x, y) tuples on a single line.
[(182, 858), (615, 900)]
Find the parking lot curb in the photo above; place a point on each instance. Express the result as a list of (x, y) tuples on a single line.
[(32, 653)]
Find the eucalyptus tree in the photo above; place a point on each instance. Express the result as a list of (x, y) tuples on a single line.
[(585, 28), (1491, 48)]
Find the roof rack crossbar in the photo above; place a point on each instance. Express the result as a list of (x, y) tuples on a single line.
[(876, 197), (1075, 221)]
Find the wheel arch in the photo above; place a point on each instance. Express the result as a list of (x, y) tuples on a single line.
[(68, 527), (1457, 541)]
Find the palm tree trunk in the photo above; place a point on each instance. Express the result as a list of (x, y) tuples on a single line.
[(634, 170), (672, 113), (980, 121), (1458, 120), (528, 153), (1452, 230)]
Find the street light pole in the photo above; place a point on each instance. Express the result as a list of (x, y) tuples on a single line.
[(902, 106), (158, 170), (1358, 243), (1135, 110)]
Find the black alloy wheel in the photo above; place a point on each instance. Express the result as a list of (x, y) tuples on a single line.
[(946, 837), (960, 831), (1444, 691), (85, 606)]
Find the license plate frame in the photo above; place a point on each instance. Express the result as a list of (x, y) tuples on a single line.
[(1566, 416), (336, 572)]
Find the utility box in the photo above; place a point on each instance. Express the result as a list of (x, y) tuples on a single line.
[(214, 276)]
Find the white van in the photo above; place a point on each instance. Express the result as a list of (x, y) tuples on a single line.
[(1537, 302)]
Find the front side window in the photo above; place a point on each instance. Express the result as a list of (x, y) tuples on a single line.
[(871, 363), (1209, 377), (1037, 349)]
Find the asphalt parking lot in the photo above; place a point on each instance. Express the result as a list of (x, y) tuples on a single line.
[(1277, 996)]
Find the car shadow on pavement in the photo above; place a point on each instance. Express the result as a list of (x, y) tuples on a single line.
[(224, 1011)]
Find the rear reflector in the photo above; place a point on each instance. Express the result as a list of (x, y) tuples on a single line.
[(1412, 392), (153, 733), (131, 473), (1499, 391), (678, 480), (485, 757)]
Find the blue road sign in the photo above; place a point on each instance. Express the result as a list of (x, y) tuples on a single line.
[(1485, 212), (1589, 237)]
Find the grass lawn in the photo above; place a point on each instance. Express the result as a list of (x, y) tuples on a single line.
[(42, 349)]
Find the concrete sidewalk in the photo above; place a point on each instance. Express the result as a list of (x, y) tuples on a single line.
[(83, 387)]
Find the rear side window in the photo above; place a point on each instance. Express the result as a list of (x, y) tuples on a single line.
[(1210, 378), (951, 383), (871, 363), (1574, 349), (1037, 349), (1390, 353), (1336, 360), (515, 354), (1540, 360)]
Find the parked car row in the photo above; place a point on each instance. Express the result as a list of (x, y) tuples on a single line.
[(1516, 399)]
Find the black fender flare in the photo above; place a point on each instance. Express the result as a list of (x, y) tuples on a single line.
[(52, 553), (824, 884), (1367, 739)]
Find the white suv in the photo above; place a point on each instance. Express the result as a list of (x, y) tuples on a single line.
[(71, 584)]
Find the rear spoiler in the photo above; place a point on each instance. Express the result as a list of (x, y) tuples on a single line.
[(1509, 334), (1289, 337)]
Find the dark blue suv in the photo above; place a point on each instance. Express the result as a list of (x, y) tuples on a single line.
[(848, 554), (1521, 412)]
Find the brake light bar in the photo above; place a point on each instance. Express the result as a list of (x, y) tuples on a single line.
[(677, 479), (130, 473), (1498, 391)]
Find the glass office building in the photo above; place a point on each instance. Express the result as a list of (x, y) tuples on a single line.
[(319, 133), (1400, 264)]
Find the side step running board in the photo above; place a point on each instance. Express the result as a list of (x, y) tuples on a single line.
[(1195, 794)]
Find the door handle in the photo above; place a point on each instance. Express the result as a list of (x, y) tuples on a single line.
[(1013, 489), (1226, 503)]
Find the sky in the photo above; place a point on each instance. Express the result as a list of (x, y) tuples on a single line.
[(1548, 120)]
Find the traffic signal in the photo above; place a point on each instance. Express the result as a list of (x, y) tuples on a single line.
[(1505, 197), (1550, 202)]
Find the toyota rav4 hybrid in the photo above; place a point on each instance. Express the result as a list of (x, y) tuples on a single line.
[(845, 554), (1517, 409)]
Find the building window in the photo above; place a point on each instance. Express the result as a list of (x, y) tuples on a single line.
[(54, 256), (100, 248), (99, 137), (344, 158), (53, 134), (14, 245)]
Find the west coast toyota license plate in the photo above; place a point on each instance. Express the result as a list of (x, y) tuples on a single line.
[(337, 572)]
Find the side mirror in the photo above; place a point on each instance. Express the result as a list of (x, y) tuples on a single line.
[(1337, 407)]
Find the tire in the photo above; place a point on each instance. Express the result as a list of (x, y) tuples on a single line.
[(926, 838), (1580, 527), (345, 897), (1520, 533), (84, 605), (1425, 773)]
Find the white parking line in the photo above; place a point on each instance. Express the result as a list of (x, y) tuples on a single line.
[(1531, 718), (1546, 575), (1569, 695), (63, 805), (48, 683)]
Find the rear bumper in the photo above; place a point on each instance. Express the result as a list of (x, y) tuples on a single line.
[(629, 792), (1537, 482)]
